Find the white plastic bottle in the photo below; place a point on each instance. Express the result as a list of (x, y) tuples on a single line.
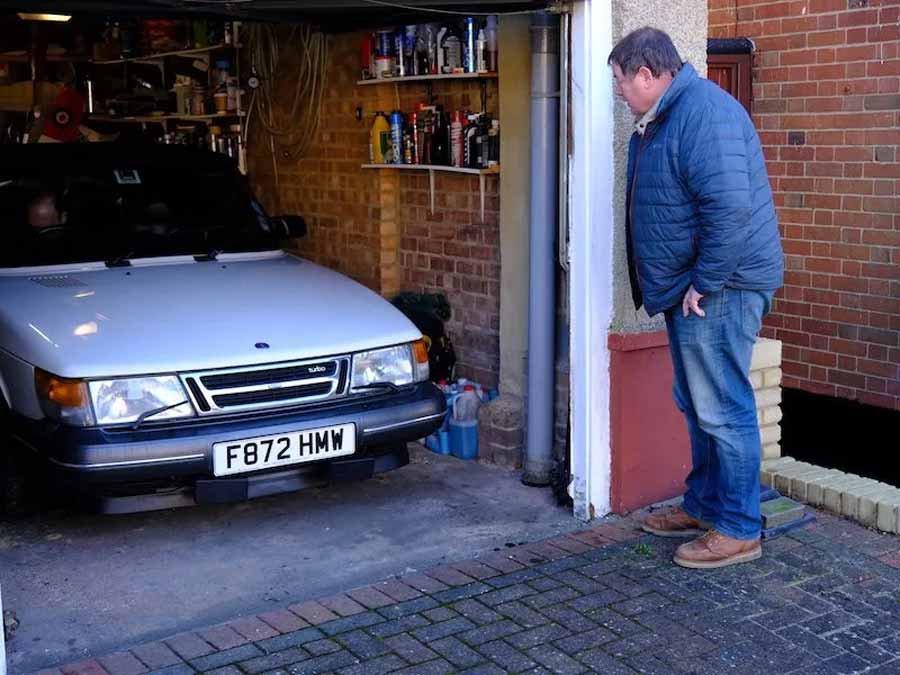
[(481, 52), (465, 408)]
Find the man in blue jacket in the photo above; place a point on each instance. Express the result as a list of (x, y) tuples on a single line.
[(704, 249)]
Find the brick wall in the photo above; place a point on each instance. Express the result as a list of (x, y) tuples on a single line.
[(826, 95), (765, 376), (452, 252), (340, 201), (376, 226)]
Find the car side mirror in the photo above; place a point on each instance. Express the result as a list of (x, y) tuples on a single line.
[(293, 227)]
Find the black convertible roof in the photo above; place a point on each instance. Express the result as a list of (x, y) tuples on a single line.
[(90, 156)]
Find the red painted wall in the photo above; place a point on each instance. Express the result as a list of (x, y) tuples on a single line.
[(650, 446)]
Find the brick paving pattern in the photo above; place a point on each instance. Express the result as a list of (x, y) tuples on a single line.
[(822, 601)]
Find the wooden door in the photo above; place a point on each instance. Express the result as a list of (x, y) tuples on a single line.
[(732, 72)]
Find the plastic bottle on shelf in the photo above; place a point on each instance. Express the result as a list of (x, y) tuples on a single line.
[(450, 48), (239, 149), (414, 143), (396, 123), (490, 34), (215, 133), (456, 139), (470, 148), (481, 52), (494, 143), (440, 153), (469, 37), (380, 139)]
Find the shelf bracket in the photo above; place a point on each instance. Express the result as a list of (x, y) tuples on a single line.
[(481, 187), (431, 189)]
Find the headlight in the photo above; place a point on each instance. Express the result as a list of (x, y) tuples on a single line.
[(398, 365), (63, 399), (124, 401)]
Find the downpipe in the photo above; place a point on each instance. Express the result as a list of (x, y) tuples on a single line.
[(545, 94)]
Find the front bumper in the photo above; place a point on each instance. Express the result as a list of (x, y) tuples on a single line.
[(183, 450)]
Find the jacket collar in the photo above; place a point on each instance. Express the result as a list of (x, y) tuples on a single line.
[(640, 126), (685, 78)]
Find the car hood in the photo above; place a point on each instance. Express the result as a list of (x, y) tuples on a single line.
[(177, 315)]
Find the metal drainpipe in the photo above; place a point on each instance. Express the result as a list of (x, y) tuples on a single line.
[(543, 227)]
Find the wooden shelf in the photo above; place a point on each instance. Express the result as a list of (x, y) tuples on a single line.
[(16, 107), (429, 78), (162, 118), (493, 170), (160, 55), (51, 58)]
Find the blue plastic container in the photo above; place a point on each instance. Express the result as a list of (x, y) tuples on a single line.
[(464, 439), (444, 442)]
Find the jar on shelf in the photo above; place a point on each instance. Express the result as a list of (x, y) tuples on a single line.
[(231, 89), (183, 98), (198, 101)]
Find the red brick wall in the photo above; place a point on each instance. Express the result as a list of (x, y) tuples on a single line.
[(375, 225), (826, 95), (453, 252)]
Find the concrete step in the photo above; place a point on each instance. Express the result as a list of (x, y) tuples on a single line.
[(780, 511)]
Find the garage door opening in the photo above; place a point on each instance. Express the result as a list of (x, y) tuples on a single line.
[(291, 95)]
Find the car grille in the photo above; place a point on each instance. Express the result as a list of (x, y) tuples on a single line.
[(260, 387)]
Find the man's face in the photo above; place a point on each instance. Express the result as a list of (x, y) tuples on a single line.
[(638, 90)]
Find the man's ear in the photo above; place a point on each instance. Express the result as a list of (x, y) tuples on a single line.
[(645, 75)]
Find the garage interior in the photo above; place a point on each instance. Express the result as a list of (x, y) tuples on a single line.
[(461, 234), (282, 88)]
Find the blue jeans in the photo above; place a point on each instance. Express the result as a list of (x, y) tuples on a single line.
[(711, 362)]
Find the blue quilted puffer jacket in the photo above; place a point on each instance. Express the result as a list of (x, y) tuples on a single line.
[(699, 204)]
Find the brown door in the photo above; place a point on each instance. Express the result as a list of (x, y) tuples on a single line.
[(732, 73)]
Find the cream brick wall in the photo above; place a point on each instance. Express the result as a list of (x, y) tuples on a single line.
[(865, 500), (765, 375)]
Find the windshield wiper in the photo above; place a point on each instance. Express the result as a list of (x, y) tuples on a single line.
[(209, 256), (149, 413), (120, 261)]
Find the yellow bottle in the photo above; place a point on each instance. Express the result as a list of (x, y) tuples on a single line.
[(380, 140)]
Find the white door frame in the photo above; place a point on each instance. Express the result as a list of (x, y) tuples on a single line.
[(591, 183)]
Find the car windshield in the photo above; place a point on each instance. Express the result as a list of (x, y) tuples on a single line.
[(113, 210)]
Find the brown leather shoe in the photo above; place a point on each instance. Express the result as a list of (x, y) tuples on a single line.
[(674, 523), (715, 549)]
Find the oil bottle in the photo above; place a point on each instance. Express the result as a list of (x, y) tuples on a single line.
[(380, 140)]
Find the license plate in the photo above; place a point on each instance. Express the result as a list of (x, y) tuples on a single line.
[(295, 447)]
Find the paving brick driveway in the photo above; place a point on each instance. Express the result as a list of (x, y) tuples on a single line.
[(822, 601)]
